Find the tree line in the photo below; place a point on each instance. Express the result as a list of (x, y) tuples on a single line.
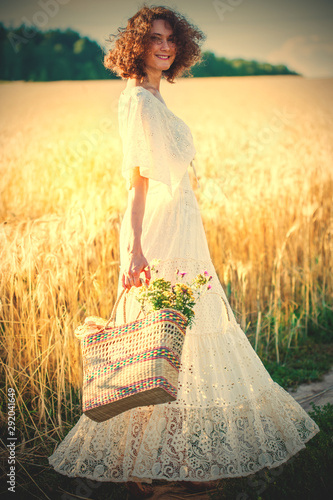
[(29, 54)]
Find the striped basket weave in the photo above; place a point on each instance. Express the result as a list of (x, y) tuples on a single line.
[(134, 364)]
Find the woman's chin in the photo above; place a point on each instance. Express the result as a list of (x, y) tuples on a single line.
[(162, 65)]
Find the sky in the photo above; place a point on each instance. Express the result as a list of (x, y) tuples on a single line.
[(297, 33)]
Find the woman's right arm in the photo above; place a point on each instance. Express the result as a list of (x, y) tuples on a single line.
[(136, 261)]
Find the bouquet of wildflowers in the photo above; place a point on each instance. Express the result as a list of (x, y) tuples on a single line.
[(181, 296)]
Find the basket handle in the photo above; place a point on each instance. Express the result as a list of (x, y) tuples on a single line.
[(114, 310), (225, 304)]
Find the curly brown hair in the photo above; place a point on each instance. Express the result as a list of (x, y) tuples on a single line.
[(131, 43)]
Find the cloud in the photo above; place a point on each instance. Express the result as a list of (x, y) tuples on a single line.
[(310, 55)]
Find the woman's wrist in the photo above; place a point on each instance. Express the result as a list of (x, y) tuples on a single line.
[(134, 247)]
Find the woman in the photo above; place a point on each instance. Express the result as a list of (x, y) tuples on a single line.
[(230, 419)]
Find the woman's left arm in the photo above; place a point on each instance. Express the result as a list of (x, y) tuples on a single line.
[(136, 260)]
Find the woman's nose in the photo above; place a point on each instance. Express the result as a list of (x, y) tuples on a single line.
[(165, 44)]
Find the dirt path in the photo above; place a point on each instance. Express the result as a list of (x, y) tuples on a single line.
[(320, 393)]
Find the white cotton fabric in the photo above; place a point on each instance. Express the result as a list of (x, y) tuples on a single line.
[(230, 418)]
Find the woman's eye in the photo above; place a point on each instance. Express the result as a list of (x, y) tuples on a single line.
[(157, 39)]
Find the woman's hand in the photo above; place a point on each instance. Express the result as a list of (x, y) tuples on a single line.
[(136, 265)]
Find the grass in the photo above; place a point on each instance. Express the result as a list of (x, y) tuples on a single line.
[(308, 361)]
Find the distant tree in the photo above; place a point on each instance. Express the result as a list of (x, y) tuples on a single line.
[(31, 55), (220, 66)]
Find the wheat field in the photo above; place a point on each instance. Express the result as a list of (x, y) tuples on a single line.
[(264, 162)]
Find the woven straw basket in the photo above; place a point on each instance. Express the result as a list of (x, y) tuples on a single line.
[(134, 364)]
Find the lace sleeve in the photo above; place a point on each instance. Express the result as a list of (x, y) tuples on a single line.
[(144, 143), (154, 139)]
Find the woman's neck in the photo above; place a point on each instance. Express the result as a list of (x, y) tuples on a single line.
[(152, 80)]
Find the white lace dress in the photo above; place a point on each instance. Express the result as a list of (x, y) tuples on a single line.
[(230, 418)]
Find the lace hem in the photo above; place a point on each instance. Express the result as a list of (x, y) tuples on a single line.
[(201, 444)]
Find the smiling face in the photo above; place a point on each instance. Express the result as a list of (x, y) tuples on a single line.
[(162, 47)]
